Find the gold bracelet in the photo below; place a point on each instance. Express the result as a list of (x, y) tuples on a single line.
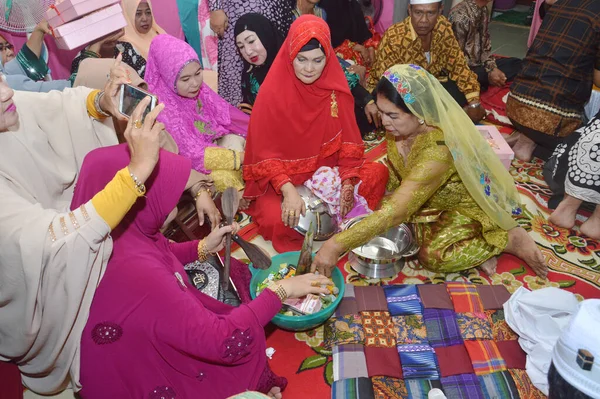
[(371, 102), (203, 189), (99, 109), (139, 186), (279, 291), (202, 251)]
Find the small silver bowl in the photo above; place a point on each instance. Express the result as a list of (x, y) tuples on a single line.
[(384, 256), (317, 213)]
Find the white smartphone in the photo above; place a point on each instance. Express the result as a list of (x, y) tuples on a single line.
[(131, 96)]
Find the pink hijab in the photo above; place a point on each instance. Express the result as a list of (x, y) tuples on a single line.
[(167, 58)]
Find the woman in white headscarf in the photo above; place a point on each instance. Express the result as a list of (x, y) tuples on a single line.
[(51, 260)]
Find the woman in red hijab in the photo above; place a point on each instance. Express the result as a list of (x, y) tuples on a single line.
[(303, 120)]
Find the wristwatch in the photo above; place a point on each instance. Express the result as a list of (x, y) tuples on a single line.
[(475, 104)]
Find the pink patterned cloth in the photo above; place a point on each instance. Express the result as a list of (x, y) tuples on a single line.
[(327, 185), (536, 23), (166, 59), (209, 39)]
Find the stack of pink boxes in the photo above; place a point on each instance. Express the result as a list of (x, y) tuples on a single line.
[(78, 22), (501, 148)]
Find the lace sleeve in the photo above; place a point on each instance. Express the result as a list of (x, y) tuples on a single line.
[(424, 180)]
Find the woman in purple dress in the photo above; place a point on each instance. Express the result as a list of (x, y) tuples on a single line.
[(223, 16)]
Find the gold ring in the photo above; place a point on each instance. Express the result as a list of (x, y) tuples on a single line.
[(137, 124)]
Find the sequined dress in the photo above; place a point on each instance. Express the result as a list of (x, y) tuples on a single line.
[(454, 233)]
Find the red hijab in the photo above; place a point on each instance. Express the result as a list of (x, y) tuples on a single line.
[(294, 125)]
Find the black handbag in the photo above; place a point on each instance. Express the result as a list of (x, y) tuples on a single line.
[(206, 277)]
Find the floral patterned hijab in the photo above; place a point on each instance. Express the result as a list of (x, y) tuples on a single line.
[(479, 168)]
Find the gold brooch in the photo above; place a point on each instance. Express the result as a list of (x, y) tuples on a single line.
[(334, 105)]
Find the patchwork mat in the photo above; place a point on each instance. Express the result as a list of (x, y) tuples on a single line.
[(400, 341)]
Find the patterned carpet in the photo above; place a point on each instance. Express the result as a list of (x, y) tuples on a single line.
[(574, 262)]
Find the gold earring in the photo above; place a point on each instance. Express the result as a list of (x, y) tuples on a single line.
[(334, 106)]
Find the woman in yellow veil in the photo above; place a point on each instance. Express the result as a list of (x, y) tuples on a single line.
[(446, 180)]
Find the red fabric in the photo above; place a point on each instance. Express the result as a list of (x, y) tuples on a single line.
[(370, 298), (10, 376), (292, 127), (512, 354), (383, 361), (266, 209), (435, 296), (453, 360), (493, 296)]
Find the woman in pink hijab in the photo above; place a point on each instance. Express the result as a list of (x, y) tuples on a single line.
[(194, 114), (150, 333)]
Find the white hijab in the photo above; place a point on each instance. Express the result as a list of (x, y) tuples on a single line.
[(46, 287)]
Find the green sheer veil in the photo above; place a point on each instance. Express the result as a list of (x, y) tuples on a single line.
[(479, 168)]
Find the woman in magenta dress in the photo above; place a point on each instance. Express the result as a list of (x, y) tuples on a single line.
[(150, 334)]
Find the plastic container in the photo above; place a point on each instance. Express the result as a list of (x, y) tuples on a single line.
[(297, 323)]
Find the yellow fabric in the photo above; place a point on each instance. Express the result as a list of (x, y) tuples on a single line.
[(221, 158), (452, 230), (117, 198), (401, 45), (91, 105), (227, 178)]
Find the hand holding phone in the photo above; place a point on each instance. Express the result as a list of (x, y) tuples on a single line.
[(130, 96), (143, 137)]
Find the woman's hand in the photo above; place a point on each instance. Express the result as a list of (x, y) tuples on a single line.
[(218, 22), (301, 286), (143, 139), (327, 257), (110, 100), (206, 206), (346, 198), (372, 113), (359, 70), (292, 206), (42, 27), (371, 56), (215, 241)]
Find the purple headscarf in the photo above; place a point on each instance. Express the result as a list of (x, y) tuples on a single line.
[(166, 59)]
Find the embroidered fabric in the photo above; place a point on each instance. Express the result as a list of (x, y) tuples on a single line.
[(167, 58), (106, 333), (237, 346), (269, 380), (162, 392)]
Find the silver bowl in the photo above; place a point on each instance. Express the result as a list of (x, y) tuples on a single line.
[(385, 255), (317, 213)]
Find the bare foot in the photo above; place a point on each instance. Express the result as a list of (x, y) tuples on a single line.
[(275, 392), (489, 266), (523, 148), (513, 138), (565, 212), (591, 227), (522, 246)]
